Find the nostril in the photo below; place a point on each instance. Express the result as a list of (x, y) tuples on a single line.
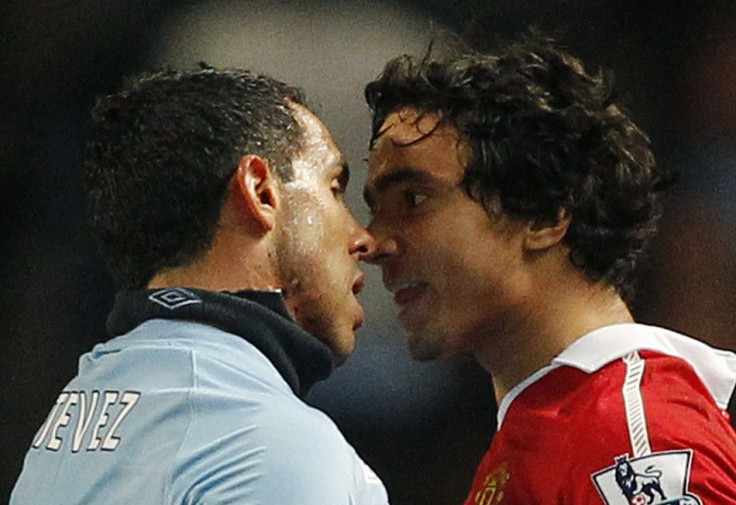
[(365, 254), (364, 244), (376, 255), (364, 248)]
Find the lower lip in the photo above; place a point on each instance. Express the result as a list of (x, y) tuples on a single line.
[(410, 294)]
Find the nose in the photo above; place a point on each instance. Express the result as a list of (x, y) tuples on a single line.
[(362, 243), (384, 247)]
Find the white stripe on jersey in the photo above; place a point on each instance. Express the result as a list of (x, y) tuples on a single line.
[(634, 404)]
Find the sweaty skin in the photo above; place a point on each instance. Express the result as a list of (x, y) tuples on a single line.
[(320, 242)]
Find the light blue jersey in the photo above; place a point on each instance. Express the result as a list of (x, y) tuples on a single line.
[(178, 412)]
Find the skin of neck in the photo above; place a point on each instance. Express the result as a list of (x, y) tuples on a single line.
[(557, 304), (240, 257)]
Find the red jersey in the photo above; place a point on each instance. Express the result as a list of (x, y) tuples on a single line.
[(627, 415)]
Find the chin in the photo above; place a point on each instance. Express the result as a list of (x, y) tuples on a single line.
[(341, 346), (339, 357), (426, 345), (420, 351)]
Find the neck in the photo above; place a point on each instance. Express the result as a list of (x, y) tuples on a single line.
[(547, 323), (233, 263)]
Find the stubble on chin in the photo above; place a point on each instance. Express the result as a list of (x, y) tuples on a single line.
[(424, 345)]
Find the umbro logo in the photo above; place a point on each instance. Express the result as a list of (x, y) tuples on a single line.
[(174, 298)]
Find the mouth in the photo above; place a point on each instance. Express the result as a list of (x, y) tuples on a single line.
[(407, 292), (358, 284), (359, 318)]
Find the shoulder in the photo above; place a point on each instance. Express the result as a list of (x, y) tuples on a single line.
[(566, 396), (277, 451), (633, 401), (251, 436), (675, 437), (642, 393), (679, 442)]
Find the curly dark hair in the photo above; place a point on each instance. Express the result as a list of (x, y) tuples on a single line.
[(545, 138), (162, 152)]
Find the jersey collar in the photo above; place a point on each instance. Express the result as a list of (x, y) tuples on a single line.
[(715, 367), (260, 317)]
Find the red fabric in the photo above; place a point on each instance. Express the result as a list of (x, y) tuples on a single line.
[(569, 425)]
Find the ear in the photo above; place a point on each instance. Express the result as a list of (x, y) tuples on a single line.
[(543, 236), (258, 189)]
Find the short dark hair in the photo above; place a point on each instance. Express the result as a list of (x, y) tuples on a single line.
[(162, 152), (544, 137)]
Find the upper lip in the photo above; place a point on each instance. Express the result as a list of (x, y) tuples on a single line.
[(395, 285)]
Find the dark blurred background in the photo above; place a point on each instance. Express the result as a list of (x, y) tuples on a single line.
[(423, 427)]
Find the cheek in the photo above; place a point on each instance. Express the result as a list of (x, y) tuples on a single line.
[(317, 257), (438, 243), (457, 260), (337, 228), (305, 226)]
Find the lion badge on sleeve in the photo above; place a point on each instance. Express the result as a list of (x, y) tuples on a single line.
[(656, 479)]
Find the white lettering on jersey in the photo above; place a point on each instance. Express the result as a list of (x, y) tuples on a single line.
[(115, 407), (85, 418), (129, 399), (110, 398), (41, 436), (62, 421)]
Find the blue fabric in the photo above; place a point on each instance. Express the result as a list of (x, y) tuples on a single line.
[(192, 415)]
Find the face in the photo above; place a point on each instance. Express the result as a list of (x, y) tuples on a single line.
[(451, 268), (320, 242)]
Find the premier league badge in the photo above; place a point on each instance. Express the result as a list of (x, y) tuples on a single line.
[(656, 479)]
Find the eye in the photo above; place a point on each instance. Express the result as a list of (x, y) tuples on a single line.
[(414, 199)]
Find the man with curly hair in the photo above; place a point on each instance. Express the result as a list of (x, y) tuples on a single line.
[(511, 199), (217, 199)]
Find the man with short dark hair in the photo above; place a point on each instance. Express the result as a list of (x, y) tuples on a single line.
[(511, 198), (216, 196)]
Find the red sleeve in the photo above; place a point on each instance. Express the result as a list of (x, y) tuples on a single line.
[(642, 430), (666, 439)]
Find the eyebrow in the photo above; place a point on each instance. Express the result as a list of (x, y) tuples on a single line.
[(384, 182)]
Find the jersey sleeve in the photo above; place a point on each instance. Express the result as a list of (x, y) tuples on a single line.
[(653, 434)]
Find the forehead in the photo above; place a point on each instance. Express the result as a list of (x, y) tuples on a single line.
[(319, 153), (419, 142)]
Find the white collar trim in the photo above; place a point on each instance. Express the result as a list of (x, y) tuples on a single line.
[(715, 367)]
